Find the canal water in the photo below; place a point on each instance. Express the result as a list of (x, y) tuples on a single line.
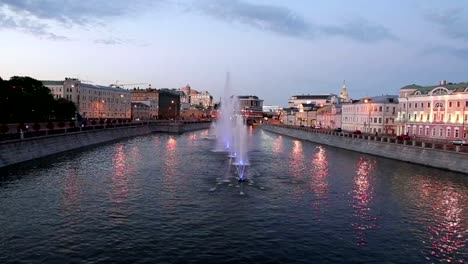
[(171, 199)]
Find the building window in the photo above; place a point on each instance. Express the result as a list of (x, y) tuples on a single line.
[(427, 131), (441, 132), (380, 120), (458, 104), (427, 117), (449, 130), (409, 105), (433, 132), (380, 108), (421, 119), (450, 104), (420, 130), (387, 109), (422, 105), (429, 105), (457, 118), (457, 132)]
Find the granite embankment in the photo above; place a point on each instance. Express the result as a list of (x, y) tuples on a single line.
[(424, 154), (16, 151)]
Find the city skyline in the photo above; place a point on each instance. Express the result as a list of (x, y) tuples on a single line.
[(272, 49)]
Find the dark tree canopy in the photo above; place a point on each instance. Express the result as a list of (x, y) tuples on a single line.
[(24, 99)]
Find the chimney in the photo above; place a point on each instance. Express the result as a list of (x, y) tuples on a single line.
[(443, 82)]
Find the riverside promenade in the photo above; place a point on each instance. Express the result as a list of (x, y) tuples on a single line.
[(41, 145), (439, 155)]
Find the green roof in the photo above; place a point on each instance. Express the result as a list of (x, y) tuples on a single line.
[(455, 87), (48, 82)]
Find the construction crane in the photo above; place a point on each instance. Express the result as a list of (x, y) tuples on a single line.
[(116, 84)]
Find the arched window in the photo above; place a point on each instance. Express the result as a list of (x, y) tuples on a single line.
[(439, 105), (417, 93), (466, 89), (439, 90)]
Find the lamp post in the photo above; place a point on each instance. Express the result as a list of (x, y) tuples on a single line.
[(367, 101), (173, 106)]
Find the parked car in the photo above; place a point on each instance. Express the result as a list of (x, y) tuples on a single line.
[(403, 137), (357, 132), (338, 129), (459, 142)]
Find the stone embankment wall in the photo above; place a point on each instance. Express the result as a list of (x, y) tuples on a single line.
[(449, 160), (16, 151)]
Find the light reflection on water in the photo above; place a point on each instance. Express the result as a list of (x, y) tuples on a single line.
[(147, 200), (319, 181), (118, 211), (445, 209), (363, 192), (297, 163)]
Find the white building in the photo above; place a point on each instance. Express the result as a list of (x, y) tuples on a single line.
[(201, 98), (93, 101), (318, 99), (372, 114)]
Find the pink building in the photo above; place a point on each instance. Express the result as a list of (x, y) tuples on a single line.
[(438, 112), (371, 114), (329, 116)]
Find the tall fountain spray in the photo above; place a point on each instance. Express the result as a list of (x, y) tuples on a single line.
[(231, 132), (223, 128)]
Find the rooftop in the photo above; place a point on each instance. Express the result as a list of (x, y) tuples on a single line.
[(379, 99), (455, 87), (312, 96), (49, 82)]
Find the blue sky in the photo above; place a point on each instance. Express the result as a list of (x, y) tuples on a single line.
[(272, 48)]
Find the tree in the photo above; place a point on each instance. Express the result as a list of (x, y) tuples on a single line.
[(24, 99), (64, 109)]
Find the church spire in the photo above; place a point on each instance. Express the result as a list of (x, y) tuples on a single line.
[(344, 93)]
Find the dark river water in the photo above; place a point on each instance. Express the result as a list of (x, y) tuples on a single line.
[(171, 199)]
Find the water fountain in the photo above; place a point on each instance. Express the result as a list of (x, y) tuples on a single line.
[(231, 133)]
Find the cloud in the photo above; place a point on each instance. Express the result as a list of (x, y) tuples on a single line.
[(109, 41), (71, 11), (461, 53), (37, 16), (284, 21), (29, 26), (451, 22), (360, 30), (265, 17)]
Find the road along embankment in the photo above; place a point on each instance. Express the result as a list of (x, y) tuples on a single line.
[(383, 147), (17, 151)]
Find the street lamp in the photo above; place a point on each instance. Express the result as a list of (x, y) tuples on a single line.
[(367, 101), (173, 106)]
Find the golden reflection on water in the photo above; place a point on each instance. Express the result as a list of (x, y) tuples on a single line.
[(278, 144), (363, 194), (71, 190), (297, 164), (445, 208), (319, 180), (119, 186), (171, 163)]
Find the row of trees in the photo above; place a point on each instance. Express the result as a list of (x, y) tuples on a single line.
[(24, 99)]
